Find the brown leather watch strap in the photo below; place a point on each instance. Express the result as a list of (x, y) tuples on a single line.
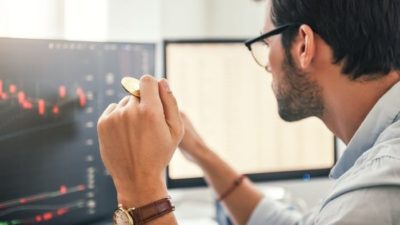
[(149, 212)]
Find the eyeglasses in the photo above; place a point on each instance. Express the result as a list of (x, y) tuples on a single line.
[(259, 49)]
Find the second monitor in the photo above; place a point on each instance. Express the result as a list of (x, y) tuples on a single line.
[(231, 104)]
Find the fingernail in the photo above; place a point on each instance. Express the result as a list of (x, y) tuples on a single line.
[(166, 85)]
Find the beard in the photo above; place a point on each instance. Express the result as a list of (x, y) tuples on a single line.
[(297, 95)]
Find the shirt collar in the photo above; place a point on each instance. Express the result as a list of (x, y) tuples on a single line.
[(383, 114)]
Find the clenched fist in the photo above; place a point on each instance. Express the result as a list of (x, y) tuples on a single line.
[(137, 139)]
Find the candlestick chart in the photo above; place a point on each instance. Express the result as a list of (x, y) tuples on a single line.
[(51, 95)]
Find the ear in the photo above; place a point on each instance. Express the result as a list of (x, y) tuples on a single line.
[(305, 46)]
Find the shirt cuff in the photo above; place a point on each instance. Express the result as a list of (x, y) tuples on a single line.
[(269, 211)]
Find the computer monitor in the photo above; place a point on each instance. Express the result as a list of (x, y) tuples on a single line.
[(230, 101), (51, 95)]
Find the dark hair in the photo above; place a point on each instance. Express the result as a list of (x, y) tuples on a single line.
[(364, 34)]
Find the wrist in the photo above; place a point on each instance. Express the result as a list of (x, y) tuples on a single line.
[(140, 192)]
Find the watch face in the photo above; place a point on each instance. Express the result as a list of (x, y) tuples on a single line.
[(121, 217)]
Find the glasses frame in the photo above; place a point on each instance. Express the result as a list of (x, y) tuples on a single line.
[(266, 35)]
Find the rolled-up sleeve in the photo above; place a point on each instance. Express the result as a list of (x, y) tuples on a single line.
[(271, 212)]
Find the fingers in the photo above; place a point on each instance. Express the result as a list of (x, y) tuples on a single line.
[(183, 116), (104, 115), (149, 94), (170, 106), (133, 101), (109, 109), (123, 101), (154, 94)]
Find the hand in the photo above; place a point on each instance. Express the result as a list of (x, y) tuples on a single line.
[(137, 139), (192, 145)]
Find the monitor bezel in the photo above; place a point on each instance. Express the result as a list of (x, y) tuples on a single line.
[(127, 42), (255, 177)]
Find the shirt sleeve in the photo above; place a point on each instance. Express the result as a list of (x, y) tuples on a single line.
[(269, 211)]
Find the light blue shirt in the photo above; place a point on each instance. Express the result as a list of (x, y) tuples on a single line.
[(367, 188)]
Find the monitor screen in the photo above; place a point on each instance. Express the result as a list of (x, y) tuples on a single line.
[(51, 95), (230, 101)]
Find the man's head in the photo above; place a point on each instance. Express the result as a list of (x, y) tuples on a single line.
[(356, 39)]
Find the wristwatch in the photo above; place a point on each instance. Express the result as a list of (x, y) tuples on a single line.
[(143, 214)]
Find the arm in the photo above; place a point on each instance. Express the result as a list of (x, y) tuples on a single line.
[(220, 176), (137, 139)]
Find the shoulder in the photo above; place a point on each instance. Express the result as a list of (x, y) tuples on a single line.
[(369, 192), (368, 206), (378, 166)]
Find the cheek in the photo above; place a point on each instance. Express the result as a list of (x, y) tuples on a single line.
[(276, 57), (275, 62)]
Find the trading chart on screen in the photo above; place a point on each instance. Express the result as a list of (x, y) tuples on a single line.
[(51, 94)]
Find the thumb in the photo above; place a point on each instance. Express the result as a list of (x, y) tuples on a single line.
[(171, 111)]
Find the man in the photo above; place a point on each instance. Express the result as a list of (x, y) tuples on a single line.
[(338, 60)]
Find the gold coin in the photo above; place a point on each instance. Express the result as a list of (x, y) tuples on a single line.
[(131, 85)]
